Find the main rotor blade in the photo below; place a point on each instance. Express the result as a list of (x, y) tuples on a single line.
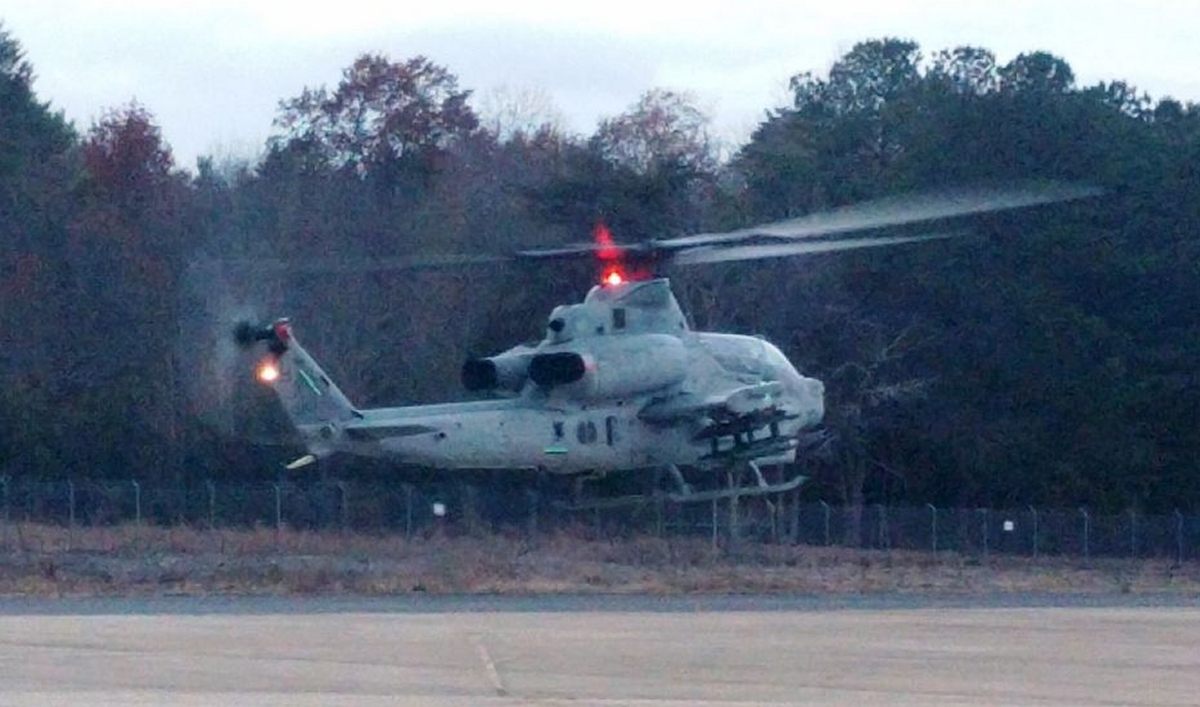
[(894, 211), (360, 265), (720, 254), (574, 251)]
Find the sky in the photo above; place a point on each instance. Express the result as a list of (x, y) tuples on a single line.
[(212, 72)]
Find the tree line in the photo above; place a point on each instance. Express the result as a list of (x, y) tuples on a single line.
[(1048, 359)]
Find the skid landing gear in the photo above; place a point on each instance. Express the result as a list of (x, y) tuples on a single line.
[(686, 493), (735, 489)]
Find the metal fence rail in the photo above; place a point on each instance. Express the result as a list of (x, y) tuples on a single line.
[(460, 507)]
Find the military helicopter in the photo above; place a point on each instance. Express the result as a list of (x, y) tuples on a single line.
[(621, 382)]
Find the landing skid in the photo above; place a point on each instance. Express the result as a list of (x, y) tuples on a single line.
[(741, 492), (686, 494)]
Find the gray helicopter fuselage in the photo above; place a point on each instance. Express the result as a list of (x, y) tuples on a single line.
[(558, 434), (619, 382)]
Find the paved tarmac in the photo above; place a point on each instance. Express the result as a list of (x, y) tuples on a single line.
[(613, 653)]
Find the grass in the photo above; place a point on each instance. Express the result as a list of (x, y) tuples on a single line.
[(47, 560)]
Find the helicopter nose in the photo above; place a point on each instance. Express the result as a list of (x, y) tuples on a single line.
[(816, 393), (816, 388)]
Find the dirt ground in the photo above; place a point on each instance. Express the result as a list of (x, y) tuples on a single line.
[(38, 560)]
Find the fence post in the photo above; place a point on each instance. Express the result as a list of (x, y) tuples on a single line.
[(932, 527), (1178, 537), (779, 515), (212, 504), (825, 507), (278, 512), (70, 514), (1033, 512), (714, 526), (532, 495), (1087, 531), (884, 540), (408, 508), (341, 485), (984, 512), (735, 521), (794, 523), (470, 516), (137, 503), (773, 510), (4, 484), (1132, 533)]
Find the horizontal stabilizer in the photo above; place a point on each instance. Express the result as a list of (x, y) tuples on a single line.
[(366, 432), (301, 462)]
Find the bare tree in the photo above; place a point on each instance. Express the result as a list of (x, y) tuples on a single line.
[(507, 112), (381, 113), (663, 130)]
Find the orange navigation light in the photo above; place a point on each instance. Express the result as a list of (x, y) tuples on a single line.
[(267, 371)]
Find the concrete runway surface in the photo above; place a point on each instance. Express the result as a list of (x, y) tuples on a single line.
[(933, 655)]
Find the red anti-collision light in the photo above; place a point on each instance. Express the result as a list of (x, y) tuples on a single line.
[(603, 238), (613, 277)]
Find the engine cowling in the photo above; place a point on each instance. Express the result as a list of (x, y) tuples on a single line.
[(613, 367), (559, 368), (503, 372)]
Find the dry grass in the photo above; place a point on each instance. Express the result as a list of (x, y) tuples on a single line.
[(46, 560)]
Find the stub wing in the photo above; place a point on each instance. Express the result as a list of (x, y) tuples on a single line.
[(747, 402), (740, 423)]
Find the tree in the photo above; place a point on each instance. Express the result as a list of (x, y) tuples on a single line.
[(647, 173), (1038, 72), (127, 248), (509, 113), (127, 161), (384, 117), (868, 78), (36, 172), (966, 70), (846, 138), (31, 135), (38, 168), (1017, 321), (664, 131)]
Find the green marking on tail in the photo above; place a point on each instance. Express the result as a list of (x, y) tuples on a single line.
[(308, 379)]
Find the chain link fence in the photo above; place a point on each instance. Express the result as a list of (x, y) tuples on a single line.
[(408, 509)]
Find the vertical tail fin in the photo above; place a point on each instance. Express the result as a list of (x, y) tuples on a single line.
[(315, 405)]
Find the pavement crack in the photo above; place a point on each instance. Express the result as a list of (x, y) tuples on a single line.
[(489, 666)]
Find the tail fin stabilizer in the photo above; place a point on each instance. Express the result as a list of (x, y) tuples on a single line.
[(312, 401)]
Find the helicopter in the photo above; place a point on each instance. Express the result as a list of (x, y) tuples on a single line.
[(620, 382)]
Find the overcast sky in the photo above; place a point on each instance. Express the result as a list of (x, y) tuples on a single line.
[(213, 71)]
